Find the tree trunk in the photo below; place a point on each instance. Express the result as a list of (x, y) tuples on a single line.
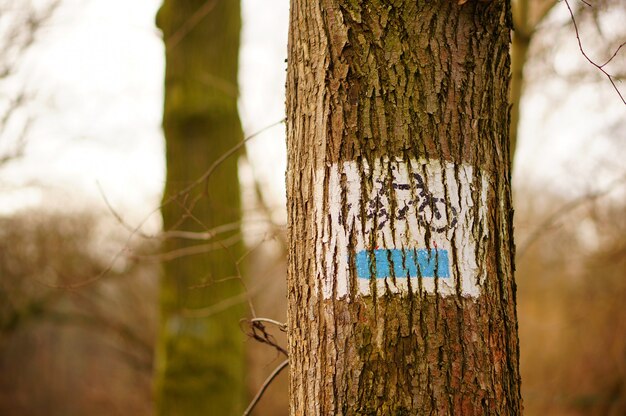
[(519, 51), (400, 289), (200, 356)]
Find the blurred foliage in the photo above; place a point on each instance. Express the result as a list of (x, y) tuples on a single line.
[(76, 328), (38, 252), (20, 26), (571, 288)]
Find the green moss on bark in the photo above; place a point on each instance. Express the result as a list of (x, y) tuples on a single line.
[(200, 360)]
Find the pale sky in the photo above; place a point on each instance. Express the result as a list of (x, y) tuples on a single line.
[(98, 72)]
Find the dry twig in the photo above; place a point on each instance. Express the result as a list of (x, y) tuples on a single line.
[(591, 61)]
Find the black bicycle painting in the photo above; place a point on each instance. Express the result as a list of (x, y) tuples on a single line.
[(433, 212)]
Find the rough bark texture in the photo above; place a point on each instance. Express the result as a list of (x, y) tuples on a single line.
[(404, 80), (201, 357)]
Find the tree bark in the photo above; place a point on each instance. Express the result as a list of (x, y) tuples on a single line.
[(200, 359), (400, 289)]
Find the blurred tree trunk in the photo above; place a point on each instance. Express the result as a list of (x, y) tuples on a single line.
[(400, 289), (519, 51), (527, 15), (200, 360)]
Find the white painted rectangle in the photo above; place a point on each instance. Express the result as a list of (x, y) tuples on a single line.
[(405, 225)]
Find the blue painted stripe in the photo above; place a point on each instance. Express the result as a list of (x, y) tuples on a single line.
[(404, 263)]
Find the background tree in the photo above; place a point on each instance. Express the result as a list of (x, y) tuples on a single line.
[(397, 120), (527, 15), (200, 360)]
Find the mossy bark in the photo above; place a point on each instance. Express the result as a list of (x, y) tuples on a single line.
[(404, 80), (200, 360)]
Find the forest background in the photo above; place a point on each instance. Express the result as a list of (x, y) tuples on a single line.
[(84, 170)]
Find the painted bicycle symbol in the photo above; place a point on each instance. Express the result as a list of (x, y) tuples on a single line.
[(433, 212)]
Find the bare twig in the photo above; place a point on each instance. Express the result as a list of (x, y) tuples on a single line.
[(191, 250), (190, 23), (258, 333), (221, 306), (142, 361), (18, 32), (202, 235), (265, 209), (281, 325), (227, 303), (569, 206), (600, 67), (118, 216), (213, 232), (230, 254), (207, 174), (181, 234), (205, 283), (137, 230), (264, 387)]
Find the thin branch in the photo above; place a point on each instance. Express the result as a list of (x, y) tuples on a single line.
[(205, 283), (570, 206), (229, 302), (221, 306), (90, 280), (118, 216), (213, 232), (191, 250), (137, 230), (230, 254), (140, 360), (182, 234), (190, 23), (264, 387), (614, 55), (258, 333), (17, 149), (201, 235), (281, 325), (582, 50), (242, 282), (207, 174), (265, 208)]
